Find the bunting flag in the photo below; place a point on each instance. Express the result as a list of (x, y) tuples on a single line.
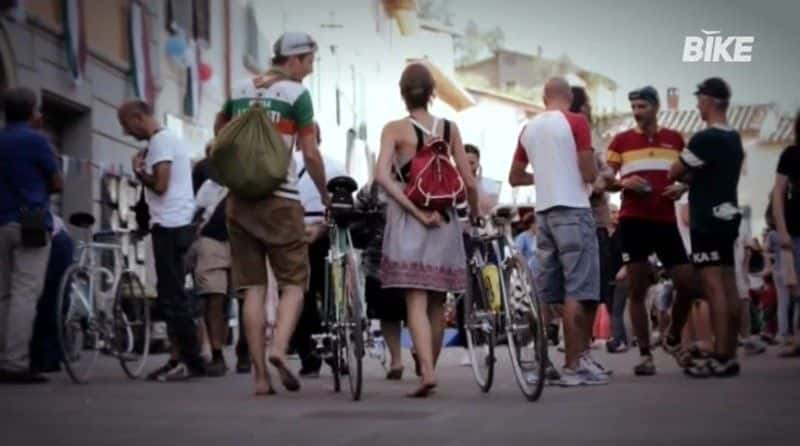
[(74, 37), (141, 71)]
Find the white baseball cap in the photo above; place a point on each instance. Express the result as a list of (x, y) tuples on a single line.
[(294, 43)]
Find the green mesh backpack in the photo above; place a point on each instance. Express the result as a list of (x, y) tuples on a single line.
[(250, 156)]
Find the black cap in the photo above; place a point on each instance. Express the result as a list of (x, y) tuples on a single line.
[(714, 87), (648, 93)]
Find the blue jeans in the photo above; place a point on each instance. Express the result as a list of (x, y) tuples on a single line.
[(788, 304), (45, 351)]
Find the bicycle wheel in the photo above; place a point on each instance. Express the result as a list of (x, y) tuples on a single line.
[(525, 328), (352, 333), (78, 329), (131, 324), (479, 325)]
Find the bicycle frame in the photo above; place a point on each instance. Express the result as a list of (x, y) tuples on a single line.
[(341, 246), (88, 260)]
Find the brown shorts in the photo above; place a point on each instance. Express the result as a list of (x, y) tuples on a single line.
[(213, 266), (271, 229)]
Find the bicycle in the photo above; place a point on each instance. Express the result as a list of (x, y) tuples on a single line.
[(342, 342), (86, 326), (504, 302)]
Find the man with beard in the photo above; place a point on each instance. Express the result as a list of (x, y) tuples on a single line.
[(647, 224)]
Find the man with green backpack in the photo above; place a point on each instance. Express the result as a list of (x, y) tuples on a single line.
[(264, 120)]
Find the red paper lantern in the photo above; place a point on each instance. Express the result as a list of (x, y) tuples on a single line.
[(205, 72)]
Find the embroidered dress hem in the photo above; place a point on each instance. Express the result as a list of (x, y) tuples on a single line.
[(419, 276)]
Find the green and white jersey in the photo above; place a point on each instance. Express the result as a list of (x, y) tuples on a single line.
[(289, 104)]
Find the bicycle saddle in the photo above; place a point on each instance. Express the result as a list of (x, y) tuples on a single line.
[(342, 185), (82, 220)]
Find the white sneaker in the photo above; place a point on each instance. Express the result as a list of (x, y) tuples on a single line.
[(466, 360), (596, 373), (571, 378), (754, 346), (594, 365), (582, 377)]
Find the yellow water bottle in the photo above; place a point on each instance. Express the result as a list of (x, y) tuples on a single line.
[(491, 277)]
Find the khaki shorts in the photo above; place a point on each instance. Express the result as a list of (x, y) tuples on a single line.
[(272, 229), (213, 267)]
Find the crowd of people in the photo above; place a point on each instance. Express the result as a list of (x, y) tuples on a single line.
[(672, 252)]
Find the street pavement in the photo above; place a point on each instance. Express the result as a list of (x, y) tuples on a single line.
[(760, 408)]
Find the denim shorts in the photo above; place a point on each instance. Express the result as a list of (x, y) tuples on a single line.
[(567, 255)]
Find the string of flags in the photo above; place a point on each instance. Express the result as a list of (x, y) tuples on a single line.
[(77, 167)]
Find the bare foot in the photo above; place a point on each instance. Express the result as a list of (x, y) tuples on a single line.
[(264, 386), (423, 391), (395, 373), (287, 377)]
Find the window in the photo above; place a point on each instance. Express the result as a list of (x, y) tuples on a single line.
[(180, 17), (107, 29), (190, 17), (202, 20), (47, 12), (253, 56)]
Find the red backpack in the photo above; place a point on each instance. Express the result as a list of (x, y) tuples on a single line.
[(433, 181)]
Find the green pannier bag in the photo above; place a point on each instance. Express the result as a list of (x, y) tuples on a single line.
[(249, 155)]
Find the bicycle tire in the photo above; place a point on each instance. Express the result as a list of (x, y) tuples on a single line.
[(330, 318), (74, 328), (480, 328), (525, 328), (353, 330), (131, 315), (335, 370)]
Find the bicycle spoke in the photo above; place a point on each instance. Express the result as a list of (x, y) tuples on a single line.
[(526, 341)]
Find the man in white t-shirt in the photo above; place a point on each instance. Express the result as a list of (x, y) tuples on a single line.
[(164, 169), (557, 144)]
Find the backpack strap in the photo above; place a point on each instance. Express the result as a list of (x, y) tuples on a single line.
[(421, 131), (271, 78), (420, 137)]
